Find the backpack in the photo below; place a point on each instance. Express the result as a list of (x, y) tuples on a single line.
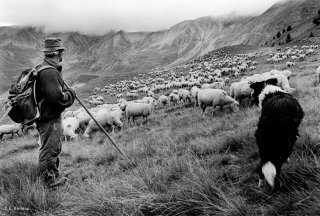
[(22, 97)]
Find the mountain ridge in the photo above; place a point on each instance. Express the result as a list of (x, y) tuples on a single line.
[(123, 52)]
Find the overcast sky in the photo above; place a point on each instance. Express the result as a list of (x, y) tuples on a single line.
[(100, 16)]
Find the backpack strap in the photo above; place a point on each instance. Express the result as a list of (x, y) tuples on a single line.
[(37, 70), (41, 68)]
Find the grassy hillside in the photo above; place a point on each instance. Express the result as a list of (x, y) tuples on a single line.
[(180, 164)]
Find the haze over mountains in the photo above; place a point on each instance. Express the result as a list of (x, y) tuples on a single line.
[(90, 56)]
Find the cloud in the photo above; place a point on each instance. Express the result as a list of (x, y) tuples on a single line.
[(100, 16)]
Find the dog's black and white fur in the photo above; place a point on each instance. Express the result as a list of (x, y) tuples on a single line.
[(277, 130)]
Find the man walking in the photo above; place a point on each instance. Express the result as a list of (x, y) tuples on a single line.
[(53, 97)]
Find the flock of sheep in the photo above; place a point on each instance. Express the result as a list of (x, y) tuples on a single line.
[(203, 85)]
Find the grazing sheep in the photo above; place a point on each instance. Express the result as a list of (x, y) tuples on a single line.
[(290, 64), (10, 129), (173, 98), (277, 131), (184, 95), (69, 127), (83, 118), (194, 94), (214, 98), (110, 118), (164, 100), (240, 90), (139, 109)]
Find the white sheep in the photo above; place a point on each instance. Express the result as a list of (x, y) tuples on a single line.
[(283, 82), (147, 99), (150, 93), (10, 129), (240, 90), (110, 118), (286, 73), (68, 113), (139, 109), (290, 64), (174, 91), (164, 100), (194, 94), (214, 98), (76, 112), (184, 95), (69, 127), (83, 118), (173, 98)]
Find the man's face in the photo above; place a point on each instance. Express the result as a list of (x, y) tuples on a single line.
[(60, 55)]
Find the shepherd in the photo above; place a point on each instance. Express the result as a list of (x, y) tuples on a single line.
[(53, 98)]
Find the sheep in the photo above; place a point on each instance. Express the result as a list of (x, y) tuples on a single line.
[(173, 98), (150, 93), (147, 99), (81, 109), (194, 94), (290, 64), (139, 109), (69, 127), (105, 118), (83, 118), (277, 132), (164, 100), (283, 82), (10, 129), (286, 73), (68, 113), (214, 85), (175, 91), (184, 95), (240, 90), (215, 97)]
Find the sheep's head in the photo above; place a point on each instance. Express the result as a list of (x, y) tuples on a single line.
[(235, 106)]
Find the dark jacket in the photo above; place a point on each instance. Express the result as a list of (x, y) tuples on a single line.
[(51, 94)]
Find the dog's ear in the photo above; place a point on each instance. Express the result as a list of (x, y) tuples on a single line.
[(272, 81), (257, 86)]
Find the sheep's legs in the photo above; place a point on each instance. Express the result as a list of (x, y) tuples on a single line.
[(128, 121), (260, 183), (203, 109)]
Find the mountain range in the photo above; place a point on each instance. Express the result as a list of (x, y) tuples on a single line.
[(116, 53)]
